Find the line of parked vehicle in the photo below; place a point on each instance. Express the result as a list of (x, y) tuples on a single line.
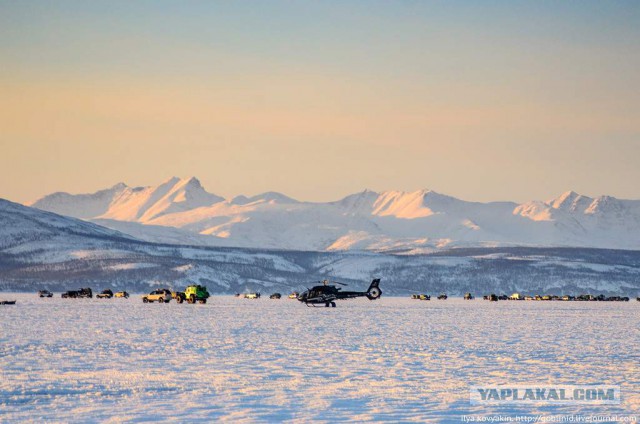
[(441, 296), (197, 293), (517, 296), (566, 298), (192, 294), (85, 293), (256, 295)]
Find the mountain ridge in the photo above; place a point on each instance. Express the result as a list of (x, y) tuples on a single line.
[(419, 221), (43, 250)]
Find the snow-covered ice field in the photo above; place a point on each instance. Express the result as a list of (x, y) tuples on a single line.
[(267, 360)]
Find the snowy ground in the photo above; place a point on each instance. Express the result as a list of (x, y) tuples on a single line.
[(270, 360)]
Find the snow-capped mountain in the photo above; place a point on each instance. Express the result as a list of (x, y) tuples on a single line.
[(25, 230), (40, 249), (182, 211), (131, 204), (83, 206), (20, 224)]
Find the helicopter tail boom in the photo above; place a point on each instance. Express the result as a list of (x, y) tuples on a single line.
[(374, 292)]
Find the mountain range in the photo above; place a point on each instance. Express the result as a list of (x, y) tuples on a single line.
[(43, 250), (181, 211)]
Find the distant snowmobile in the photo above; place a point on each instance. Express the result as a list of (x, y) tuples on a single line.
[(326, 294)]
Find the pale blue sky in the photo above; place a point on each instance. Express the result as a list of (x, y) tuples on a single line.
[(480, 100)]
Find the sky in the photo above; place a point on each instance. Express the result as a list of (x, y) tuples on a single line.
[(481, 100)]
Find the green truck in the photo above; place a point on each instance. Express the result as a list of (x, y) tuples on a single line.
[(192, 294)]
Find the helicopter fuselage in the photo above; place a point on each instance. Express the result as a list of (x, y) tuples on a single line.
[(328, 294)]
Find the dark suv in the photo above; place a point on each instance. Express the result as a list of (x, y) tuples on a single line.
[(82, 293)]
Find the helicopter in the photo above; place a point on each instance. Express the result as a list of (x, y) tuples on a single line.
[(327, 293)]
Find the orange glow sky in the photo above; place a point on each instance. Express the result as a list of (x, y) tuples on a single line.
[(482, 101)]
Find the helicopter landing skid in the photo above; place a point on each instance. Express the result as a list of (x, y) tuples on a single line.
[(332, 304)]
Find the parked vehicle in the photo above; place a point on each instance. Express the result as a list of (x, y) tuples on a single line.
[(468, 296), (516, 296), (7, 302), (82, 293), (492, 297), (45, 293), (503, 297), (105, 294), (587, 297), (424, 297), (617, 299), (293, 295), (252, 296), (443, 296), (192, 294), (275, 296), (159, 295), (123, 294)]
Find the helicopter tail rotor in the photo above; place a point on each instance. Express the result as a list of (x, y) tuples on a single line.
[(374, 292)]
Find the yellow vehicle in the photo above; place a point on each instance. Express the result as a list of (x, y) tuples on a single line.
[(192, 294), (122, 294), (105, 294)]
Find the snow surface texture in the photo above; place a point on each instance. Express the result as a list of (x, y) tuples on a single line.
[(264, 360), (182, 211)]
